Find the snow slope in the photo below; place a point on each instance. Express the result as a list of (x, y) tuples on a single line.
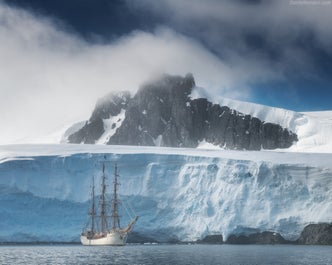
[(314, 129), (110, 126), (178, 193)]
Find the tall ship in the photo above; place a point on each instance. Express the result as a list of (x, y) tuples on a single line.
[(103, 228)]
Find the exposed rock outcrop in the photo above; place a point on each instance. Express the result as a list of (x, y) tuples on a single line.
[(110, 105), (316, 234), (265, 237), (212, 239)]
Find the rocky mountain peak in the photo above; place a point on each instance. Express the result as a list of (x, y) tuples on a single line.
[(166, 89), (110, 105), (154, 111), (162, 113)]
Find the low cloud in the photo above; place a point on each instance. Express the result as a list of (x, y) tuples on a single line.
[(50, 78), (289, 37)]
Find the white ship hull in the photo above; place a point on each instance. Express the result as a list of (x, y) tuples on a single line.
[(113, 238)]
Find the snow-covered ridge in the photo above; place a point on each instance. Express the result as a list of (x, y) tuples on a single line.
[(314, 129), (31, 150)]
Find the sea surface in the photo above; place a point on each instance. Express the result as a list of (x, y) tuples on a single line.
[(167, 254)]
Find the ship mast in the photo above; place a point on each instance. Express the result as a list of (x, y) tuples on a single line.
[(103, 220), (115, 213), (92, 210)]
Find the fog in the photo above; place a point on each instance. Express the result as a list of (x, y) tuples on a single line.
[(50, 78)]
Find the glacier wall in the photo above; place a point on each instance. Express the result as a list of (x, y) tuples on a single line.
[(45, 198)]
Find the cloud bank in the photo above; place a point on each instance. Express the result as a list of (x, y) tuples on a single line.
[(50, 78), (292, 38)]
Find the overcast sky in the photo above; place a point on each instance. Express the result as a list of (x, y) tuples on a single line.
[(58, 57)]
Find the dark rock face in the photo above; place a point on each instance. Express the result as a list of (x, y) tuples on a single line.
[(106, 107), (316, 234), (234, 130), (162, 113), (265, 237), (212, 239), (159, 108), (90, 132)]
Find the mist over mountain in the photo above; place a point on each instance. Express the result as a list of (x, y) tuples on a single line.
[(164, 113)]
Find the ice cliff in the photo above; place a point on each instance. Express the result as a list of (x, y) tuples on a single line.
[(181, 194)]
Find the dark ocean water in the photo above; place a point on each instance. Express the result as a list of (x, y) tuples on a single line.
[(167, 254)]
